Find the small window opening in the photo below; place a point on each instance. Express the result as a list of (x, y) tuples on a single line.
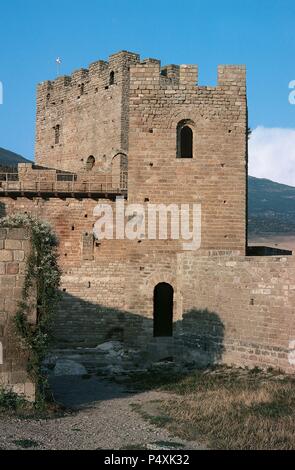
[(112, 78), (56, 134), (185, 144)]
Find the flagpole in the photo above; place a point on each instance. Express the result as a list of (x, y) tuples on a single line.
[(58, 64)]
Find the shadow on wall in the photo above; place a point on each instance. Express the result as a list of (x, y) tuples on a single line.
[(197, 338), (203, 333)]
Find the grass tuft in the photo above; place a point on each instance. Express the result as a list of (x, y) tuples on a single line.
[(26, 443)]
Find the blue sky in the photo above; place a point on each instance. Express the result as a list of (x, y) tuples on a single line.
[(257, 33)]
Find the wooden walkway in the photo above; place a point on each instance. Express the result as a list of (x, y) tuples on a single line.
[(63, 185)]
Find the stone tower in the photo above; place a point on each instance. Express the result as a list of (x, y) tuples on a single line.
[(188, 144), (182, 143), (82, 119)]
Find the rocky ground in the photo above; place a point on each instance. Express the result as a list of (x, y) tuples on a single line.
[(103, 416)]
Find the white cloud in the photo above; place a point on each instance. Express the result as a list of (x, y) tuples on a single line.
[(272, 154)]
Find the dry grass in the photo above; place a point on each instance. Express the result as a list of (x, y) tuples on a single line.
[(231, 408)]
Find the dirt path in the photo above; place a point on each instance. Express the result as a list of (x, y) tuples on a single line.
[(104, 418)]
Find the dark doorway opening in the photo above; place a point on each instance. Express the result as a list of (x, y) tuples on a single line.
[(163, 310)]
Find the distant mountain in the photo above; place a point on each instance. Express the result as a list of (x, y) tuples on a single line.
[(10, 159), (271, 207)]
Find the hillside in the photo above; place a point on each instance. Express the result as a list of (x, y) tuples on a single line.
[(271, 207), (10, 159)]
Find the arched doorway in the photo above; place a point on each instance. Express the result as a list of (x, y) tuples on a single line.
[(163, 310)]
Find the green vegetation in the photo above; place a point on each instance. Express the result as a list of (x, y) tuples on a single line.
[(10, 400), (14, 405)]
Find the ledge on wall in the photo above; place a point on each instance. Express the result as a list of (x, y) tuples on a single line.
[(267, 251)]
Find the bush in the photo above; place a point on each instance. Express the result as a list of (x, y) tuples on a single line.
[(10, 400)]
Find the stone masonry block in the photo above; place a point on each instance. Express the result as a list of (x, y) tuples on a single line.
[(18, 255), (30, 391), (6, 255), (18, 233), (12, 268), (13, 244), (3, 233)]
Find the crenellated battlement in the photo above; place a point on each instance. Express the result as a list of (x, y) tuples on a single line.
[(232, 75), (96, 71), (176, 75), (150, 69)]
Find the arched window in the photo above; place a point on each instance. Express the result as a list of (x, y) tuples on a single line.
[(112, 78), (90, 163), (163, 310), (185, 139)]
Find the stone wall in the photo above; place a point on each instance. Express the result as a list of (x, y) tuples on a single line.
[(253, 299), (73, 220), (14, 249), (227, 308), (232, 310)]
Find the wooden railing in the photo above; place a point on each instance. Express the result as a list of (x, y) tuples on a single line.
[(63, 183)]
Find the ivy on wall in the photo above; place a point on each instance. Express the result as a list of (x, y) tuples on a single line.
[(40, 293)]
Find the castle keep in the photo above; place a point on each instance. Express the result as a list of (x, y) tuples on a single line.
[(152, 135)]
